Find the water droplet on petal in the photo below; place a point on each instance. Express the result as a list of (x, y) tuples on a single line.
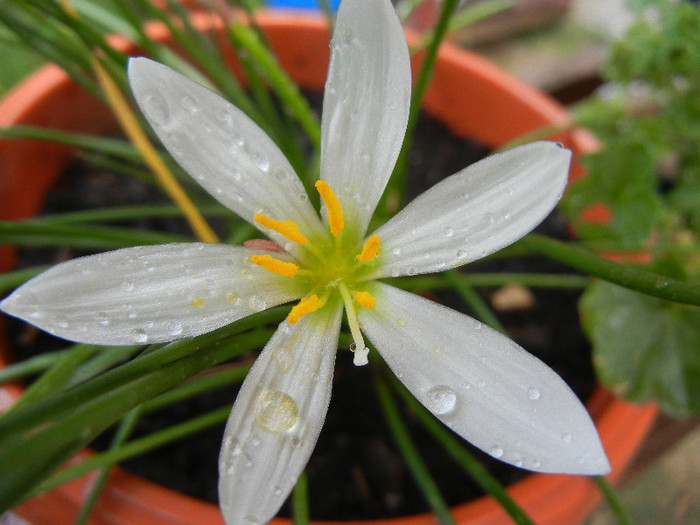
[(401, 321), (440, 399), (461, 254), (175, 328), (139, 336), (449, 232), (276, 411), (102, 319), (189, 104), (566, 438), (61, 321), (280, 174), (277, 490), (477, 325), (533, 394), (156, 109), (256, 304), (396, 251), (496, 451)]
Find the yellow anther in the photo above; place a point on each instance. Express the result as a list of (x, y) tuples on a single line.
[(365, 299), (288, 229), (305, 306), (371, 249), (335, 212), (273, 265)]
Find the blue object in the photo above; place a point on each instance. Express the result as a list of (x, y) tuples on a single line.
[(302, 4)]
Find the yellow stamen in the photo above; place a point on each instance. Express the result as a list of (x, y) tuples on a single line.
[(335, 212), (371, 249), (305, 306), (365, 299), (273, 265), (288, 229)]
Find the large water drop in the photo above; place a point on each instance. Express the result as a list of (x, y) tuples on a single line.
[(276, 411), (440, 399)]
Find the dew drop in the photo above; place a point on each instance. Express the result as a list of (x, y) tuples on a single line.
[(461, 254), (256, 304), (232, 297), (139, 336), (280, 174), (262, 162), (175, 328), (661, 283), (477, 325), (156, 109), (395, 272), (401, 321), (102, 319), (496, 451), (277, 490), (536, 464), (303, 197), (411, 271), (226, 118), (436, 349), (251, 520), (276, 411), (61, 321), (127, 286), (533, 394), (449, 232), (396, 251), (440, 399), (566, 438), (189, 104)]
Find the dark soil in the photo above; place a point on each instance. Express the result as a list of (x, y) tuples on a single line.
[(356, 470)]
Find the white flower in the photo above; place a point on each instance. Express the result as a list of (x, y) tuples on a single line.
[(478, 382)]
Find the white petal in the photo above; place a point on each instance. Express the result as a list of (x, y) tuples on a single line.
[(475, 212), (483, 386), (225, 151), (148, 294), (365, 104), (277, 418)]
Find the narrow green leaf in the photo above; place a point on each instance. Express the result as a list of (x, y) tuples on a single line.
[(413, 460)]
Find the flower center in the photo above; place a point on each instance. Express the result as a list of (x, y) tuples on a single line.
[(337, 267)]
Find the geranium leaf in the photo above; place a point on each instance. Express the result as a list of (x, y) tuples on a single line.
[(644, 348)]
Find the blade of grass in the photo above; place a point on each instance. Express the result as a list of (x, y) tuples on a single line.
[(300, 501), (408, 450), (135, 448), (625, 275), (39, 233), (124, 430), (473, 300), (29, 367), (621, 513)]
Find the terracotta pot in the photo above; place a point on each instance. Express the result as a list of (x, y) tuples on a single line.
[(470, 96)]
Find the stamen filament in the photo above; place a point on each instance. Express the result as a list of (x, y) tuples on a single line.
[(361, 351), (365, 300), (273, 265), (335, 212), (304, 307), (287, 229), (370, 249)]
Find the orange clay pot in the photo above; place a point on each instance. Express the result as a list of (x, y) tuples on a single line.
[(469, 95)]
